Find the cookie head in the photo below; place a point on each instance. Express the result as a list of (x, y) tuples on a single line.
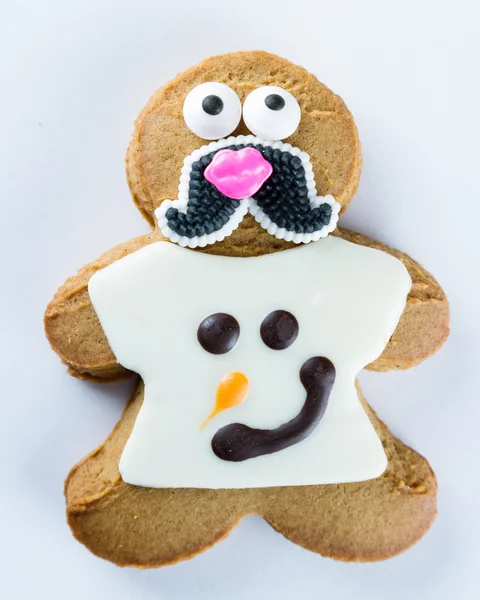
[(242, 133)]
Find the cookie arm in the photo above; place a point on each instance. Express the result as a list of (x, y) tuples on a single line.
[(72, 326), (424, 324), (76, 335)]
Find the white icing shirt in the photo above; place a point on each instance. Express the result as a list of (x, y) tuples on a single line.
[(347, 300)]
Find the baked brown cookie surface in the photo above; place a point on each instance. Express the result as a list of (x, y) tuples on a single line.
[(146, 527)]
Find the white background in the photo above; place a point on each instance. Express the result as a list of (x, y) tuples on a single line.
[(73, 76)]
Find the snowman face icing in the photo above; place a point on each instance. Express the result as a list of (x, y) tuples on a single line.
[(260, 174), (249, 364)]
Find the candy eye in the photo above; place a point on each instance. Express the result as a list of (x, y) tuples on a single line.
[(279, 330), (218, 333), (212, 110), (271, 113)]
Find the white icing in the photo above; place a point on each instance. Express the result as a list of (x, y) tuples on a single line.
[(347, 300), (267, 123), (247, 204)]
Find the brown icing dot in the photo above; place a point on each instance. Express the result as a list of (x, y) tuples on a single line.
[(218, 333), (279, 329)]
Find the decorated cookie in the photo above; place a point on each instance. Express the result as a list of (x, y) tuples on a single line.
[(247, 315)]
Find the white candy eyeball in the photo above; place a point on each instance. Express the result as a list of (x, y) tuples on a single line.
[(212, 110), (272, 113)]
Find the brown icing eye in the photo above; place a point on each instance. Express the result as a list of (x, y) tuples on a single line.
[(218, 333), (279, 329)]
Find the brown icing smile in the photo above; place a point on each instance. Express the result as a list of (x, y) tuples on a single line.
[(237, 442)]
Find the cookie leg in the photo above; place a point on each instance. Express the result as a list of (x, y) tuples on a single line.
[(366, 521), (144, 527)]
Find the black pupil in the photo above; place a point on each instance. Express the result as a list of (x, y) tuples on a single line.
[(274, 102), (212, 105), (218, 333), (279, 329)]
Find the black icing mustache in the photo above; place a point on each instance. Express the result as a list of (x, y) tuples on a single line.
[(238, 442), (283, 198)]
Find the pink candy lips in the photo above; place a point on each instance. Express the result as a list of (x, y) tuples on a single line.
[(238, 174)]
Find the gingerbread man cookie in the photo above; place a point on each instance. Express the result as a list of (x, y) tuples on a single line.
[(247, 314)]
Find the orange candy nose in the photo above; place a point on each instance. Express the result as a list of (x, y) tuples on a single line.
[(231, 390)]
